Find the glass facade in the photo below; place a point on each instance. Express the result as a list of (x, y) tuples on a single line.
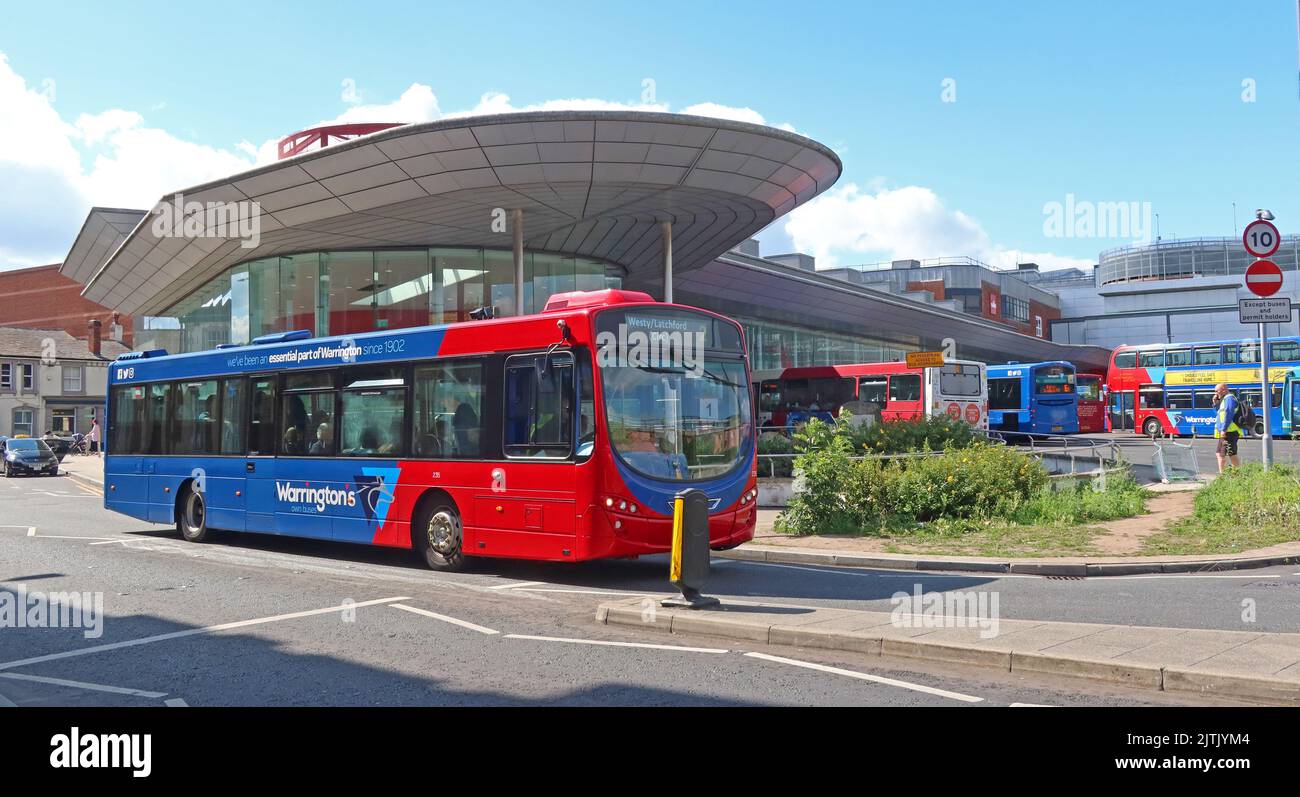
[(775, 346), (343, 292)]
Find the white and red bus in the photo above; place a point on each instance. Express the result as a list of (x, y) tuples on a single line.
[(1091, 389), (959, 389), (559, 436)]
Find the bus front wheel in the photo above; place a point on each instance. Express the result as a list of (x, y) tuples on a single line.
[(1152, 427), (1259, 428), (192, 517), (439, 536)]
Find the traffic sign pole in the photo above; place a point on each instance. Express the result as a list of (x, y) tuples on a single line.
[(1267, 400)]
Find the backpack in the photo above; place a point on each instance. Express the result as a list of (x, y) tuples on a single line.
[(1244, 416)]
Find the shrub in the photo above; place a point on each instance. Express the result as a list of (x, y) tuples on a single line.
[(772, 443), (843, 494), (916, 434)]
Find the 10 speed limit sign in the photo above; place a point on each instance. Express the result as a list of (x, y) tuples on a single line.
[(1261, 238)]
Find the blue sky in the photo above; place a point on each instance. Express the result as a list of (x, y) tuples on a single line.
[(1109, 102)]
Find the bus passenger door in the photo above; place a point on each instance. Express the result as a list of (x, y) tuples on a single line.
[(1121, 410), (259, 465), (904, 397)]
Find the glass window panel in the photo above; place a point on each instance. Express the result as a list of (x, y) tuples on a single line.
[(372, 422), (500, 267), (448, 410), (299, 292), (307, 424), (1178, 357), (1209, 355), (458, 275), (261, 421), (1284, 350), (194, 427), (402, 295), (1179, 400), (539, 407), (159, 441), (264, 298), (1151, 359), (127, 427), (905, 387), (349, 289), (234, 412)]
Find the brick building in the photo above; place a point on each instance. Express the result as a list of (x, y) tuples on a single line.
[(42, 298)]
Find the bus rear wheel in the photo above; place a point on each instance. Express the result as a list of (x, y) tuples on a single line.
[(1152, 428), (1259, 428), (192, 517), (439, 536)]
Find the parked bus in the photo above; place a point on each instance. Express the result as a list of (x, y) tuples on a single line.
[(529, 437), (1168, 388), (1290, 425), (958, 389), (1091, 389), (767, 395), (1034, 398)]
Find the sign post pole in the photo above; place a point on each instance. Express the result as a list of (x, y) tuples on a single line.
[(1267, 399), (1264, 278)]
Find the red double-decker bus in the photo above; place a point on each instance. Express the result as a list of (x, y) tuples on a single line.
[(1091, 389), (959, 389), (559, 436)]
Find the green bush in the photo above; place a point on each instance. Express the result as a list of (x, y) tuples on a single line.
[(781, 467), (917, 434), (842, 494)]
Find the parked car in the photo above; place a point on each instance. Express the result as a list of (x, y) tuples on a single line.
[(31, 456)]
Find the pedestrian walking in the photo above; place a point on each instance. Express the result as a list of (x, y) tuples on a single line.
[(1226, 429)]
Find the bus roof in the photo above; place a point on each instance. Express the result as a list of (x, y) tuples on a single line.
[(1029, 366), (858, 369), (1193, 344), (291, 351)]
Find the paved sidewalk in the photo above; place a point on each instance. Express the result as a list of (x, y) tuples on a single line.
[(1234, 664), (87, 469)]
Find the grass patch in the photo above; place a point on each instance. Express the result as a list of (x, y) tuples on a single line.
[(1048, 523), (1244, 509)]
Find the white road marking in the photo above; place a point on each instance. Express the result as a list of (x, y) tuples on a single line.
[(67, 654), (517, 584), (1030, 705), (867, 572), (116, 690), (647, 645), (929, 690), (176, 702), (7, 703), (444, 618)]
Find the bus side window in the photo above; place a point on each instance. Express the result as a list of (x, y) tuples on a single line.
[(905, 387), (873, 389), (261, 419), (1151, 397), (234, 412)]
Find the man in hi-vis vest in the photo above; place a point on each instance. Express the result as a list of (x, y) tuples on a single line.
[(1225, 426)]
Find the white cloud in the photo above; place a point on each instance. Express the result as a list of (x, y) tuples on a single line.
[(53, 171), (849, 225)]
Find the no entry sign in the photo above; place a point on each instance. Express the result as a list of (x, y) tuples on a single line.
[(1264, 278)]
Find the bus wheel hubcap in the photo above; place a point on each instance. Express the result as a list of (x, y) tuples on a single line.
[(196, 512), (444, 536)]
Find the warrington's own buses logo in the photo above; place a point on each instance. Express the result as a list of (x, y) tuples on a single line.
[(653, 342)]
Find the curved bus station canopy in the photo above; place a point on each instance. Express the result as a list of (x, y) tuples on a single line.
[(600, 184)]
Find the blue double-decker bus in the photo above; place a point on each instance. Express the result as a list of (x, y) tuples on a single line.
[(1290, 424), (1033, 398)]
